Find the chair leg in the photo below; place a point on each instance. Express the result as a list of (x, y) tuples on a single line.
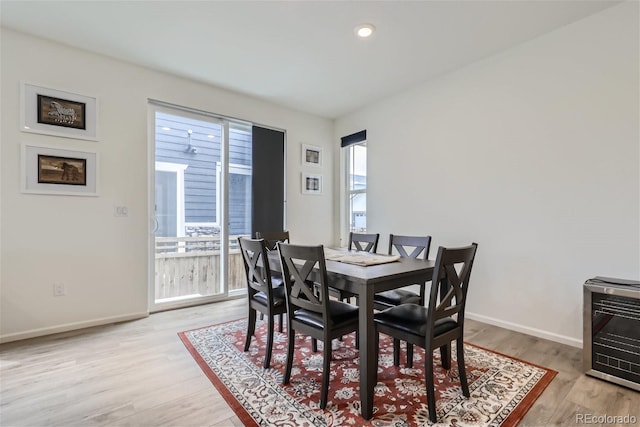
[(251, 328), (326, 371), (314, 345), (461, 368), (431, 392), (445, 356), (396, 352), (409, 355), (267, 356), (291, 343), (281, 322)]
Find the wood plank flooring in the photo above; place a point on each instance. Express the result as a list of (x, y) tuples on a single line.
[(139, 373)]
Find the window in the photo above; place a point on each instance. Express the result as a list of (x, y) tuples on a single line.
[(169, 205), (240, 200), (357, 186), (355, 154)]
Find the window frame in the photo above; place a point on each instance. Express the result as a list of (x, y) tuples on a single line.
[(345, 191)]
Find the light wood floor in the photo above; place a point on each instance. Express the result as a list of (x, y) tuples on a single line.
[(139, 374)]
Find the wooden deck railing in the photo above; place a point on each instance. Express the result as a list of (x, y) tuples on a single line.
[(191, 266)]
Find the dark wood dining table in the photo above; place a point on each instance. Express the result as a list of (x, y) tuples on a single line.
[(365, 281)]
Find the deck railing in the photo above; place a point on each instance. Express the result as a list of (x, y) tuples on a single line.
[(191, 266)]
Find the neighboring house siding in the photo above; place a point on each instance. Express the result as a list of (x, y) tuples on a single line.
[(172, 146)]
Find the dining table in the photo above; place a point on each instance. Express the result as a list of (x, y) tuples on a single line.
[(365, 280)]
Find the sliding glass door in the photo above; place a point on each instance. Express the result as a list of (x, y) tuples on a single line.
[(201, 202)]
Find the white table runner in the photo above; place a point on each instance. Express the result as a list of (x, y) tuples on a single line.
[(358, 258)]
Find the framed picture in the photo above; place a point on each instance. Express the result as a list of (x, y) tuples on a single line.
[(62, 170), (311, 183), (311, 155), (58, 113), (62, 112), (51, 170)]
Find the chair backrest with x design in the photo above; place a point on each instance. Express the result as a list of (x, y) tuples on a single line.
[(419, 245), (363, 242), (271, 238), (306, 289), (256, 265), (450, 284)]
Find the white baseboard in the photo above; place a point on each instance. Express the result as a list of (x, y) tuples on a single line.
[(70, 327), (526, 330)]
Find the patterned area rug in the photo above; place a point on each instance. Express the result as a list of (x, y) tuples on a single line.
[(502, 388)]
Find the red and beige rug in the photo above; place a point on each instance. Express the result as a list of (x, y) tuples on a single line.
[(502, 388)]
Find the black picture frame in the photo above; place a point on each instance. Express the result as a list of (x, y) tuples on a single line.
[(61, 170), (61, 112)]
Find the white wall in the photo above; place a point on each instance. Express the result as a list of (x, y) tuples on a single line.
[(532, 153), (101, 259)]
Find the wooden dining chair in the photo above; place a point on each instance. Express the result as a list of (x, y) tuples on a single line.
[(310, 310), (357, 242), (436, 325), (407, 247), (363, 242), (271, 238), (262, 295)]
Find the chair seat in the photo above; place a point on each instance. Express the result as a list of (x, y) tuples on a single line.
[(278, 297), (397, 297), (412, 318), (276, 280), (341, 313)]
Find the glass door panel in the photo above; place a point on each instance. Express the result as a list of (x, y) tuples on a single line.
[(239, 201), (188, 257)]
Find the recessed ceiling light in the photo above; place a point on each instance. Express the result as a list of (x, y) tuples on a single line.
[(364, 30)]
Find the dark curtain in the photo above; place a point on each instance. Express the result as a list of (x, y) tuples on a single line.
[(268, 180)]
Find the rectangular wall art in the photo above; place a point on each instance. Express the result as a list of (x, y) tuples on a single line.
[(311, 183), (311, 155), (50, 170), (58, 113)]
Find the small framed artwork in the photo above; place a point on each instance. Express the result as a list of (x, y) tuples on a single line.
[(62, 112), (311, 155), (58, 113), (311, 183), (50, 170), (62, 170)]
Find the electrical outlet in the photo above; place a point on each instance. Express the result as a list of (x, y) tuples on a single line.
[(120, 211), (58, 290)]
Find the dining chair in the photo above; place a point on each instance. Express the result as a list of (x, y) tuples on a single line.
[(358, 242), (310, 310), (407, 247), (271, 238), (363, 242), (436, 325), (262, 295)]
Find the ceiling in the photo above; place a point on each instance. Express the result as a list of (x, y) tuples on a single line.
[(298, 54)]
